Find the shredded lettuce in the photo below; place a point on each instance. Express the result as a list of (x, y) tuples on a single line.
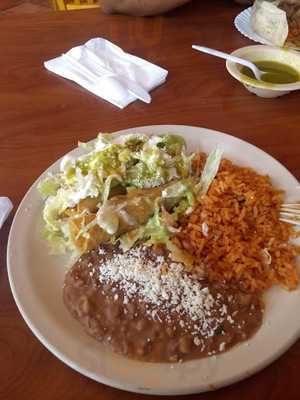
[(129, 239), (156, 230), (54, 208), (108, 186), (180, 195), (172, 144), (175, 190), (135, 142), (209, 172), (118, 164), (49, 186), (59, 243)]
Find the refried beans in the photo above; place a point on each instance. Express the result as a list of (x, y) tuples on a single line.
[(147, 307)]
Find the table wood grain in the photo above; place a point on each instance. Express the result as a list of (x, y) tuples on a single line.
[(43, 116)]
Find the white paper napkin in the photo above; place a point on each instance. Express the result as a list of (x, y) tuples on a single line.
[(5, 208), (106, 70)]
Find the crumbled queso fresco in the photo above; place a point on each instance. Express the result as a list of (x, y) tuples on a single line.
[(169, 290)]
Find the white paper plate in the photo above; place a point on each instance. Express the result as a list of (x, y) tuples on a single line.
[(36, 281), (242, 23)]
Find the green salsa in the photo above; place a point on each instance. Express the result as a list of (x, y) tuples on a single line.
[(275, 72)]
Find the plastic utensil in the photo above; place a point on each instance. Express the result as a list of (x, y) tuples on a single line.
[(118, 83), (257, 72), (115, 85), (134, 88)]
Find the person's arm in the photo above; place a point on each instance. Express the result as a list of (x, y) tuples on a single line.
[(140, 7)]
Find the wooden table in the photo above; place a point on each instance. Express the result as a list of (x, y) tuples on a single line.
[(43, 116)]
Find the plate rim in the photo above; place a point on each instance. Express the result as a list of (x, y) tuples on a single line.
[(82, 370)]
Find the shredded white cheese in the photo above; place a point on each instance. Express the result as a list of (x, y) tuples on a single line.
[(172, 293)]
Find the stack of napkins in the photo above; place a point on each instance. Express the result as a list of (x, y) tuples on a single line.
[(5, 209), (106, 70)]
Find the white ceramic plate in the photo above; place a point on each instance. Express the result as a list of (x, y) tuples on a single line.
[(36, 281), (242, 23)]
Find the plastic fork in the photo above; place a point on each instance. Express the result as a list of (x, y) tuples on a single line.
[(290, 213), (213, 52)]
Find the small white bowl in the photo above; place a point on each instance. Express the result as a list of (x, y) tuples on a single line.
[(265, 53)]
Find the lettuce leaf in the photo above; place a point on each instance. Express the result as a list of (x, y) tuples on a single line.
[(172, 144), (156, 231), (49, 186), (129, 239), (209, 172)]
